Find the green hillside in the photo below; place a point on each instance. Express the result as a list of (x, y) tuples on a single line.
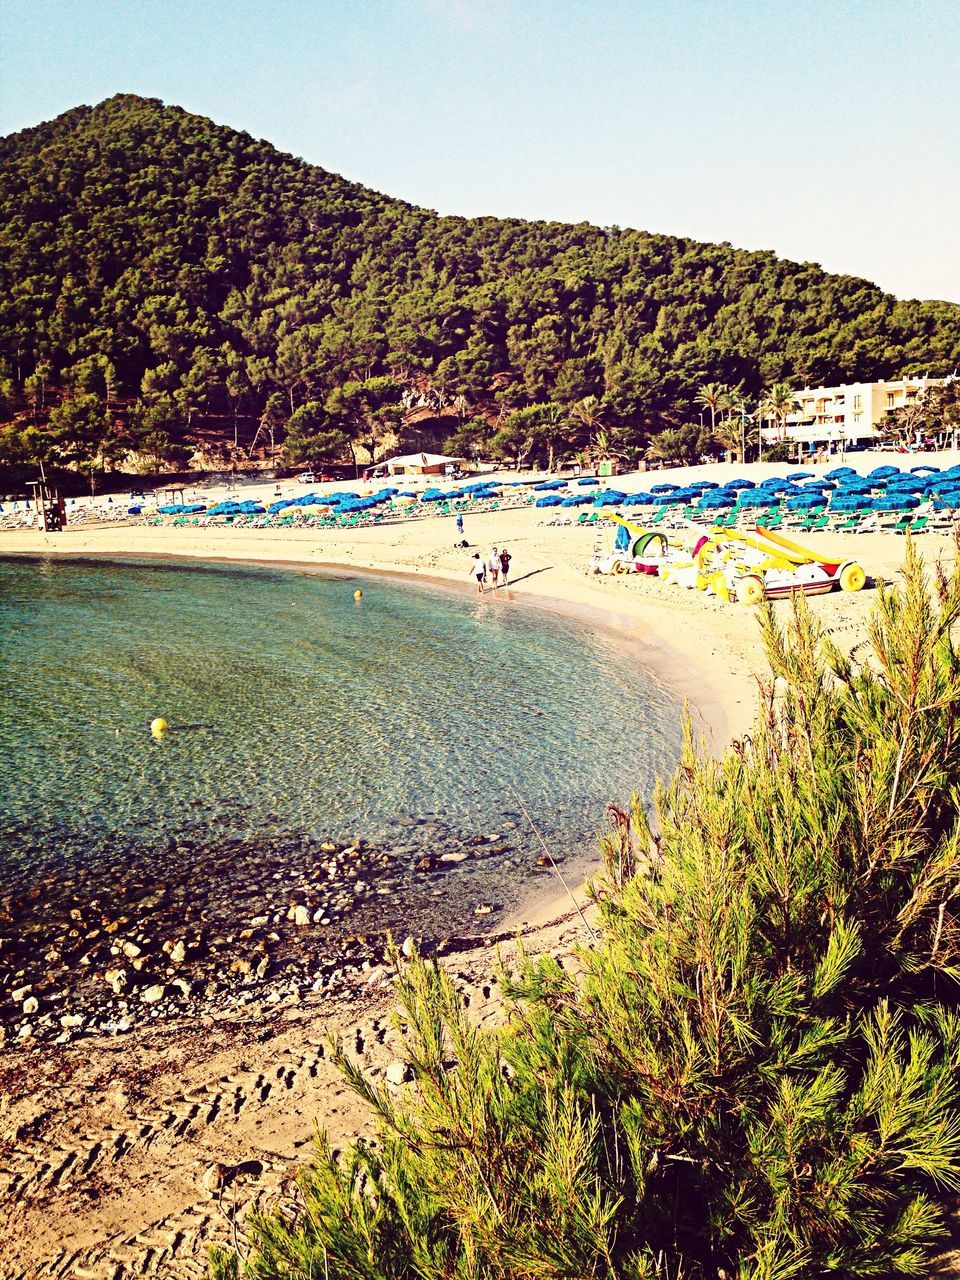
[(164, 279)]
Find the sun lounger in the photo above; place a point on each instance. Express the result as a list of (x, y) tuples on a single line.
[(916, 524), (848, 524)]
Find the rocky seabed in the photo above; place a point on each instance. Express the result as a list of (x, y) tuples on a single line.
[(244, 923)]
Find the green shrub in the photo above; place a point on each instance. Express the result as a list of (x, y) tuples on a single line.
[(754, 1073)]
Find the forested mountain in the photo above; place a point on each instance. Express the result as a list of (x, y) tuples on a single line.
[(161, 275)]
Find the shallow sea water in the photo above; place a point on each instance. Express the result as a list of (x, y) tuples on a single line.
[(413, 717)]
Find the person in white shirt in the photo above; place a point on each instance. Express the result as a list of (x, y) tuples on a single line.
[(493, 566), (479, 571)]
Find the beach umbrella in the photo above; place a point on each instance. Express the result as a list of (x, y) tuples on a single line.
[(838, 473), (883, 473), (664, 488), (850, 502), (715, 502), (801, 475), (925, 466), (904, 502), (740, 484), (549, 500), (759, 498), (806, 502), (588, 480)]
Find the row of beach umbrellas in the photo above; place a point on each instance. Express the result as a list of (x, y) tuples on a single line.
[(886, 488)]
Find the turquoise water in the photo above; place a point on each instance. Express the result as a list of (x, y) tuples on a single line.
[(297, 713)]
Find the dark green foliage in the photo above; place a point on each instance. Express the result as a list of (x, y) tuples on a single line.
[(756, 1072), (686, 444), (780, 451), (934, 411), (189, 260)]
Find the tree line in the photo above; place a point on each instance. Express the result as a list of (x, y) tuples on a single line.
[(165, 281)]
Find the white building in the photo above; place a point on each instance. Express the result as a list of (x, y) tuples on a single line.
[(849, 414)]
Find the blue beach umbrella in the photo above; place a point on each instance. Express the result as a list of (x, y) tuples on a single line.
[(854, 502), (806, 502), (904, 502), (758, 498)]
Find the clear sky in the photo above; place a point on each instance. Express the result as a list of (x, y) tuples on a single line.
[(826, 130)]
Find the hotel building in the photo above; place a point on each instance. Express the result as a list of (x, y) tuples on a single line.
[(851, 413)]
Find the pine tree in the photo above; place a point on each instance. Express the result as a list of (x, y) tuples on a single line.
[(754, 1073)]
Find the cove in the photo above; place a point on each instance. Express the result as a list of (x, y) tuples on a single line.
[(415, 717)]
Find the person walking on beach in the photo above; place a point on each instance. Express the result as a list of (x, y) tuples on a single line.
[(493, 564), (460, 524), (479, 571), (505, 558)]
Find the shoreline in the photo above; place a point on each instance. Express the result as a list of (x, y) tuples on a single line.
[(644, 628), (164, 906), (123, 1154)]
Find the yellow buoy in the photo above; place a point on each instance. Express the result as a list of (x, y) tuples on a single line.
[(358, 594), (158, 727)]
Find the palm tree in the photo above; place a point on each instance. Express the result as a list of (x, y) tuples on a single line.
[(713, 396), (728, 433), (600, 448), (589, 413), (779, 401)]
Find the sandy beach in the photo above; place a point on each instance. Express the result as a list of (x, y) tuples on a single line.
[(123, 1156)]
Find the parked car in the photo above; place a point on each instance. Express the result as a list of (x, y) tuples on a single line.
[(306, 477)]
